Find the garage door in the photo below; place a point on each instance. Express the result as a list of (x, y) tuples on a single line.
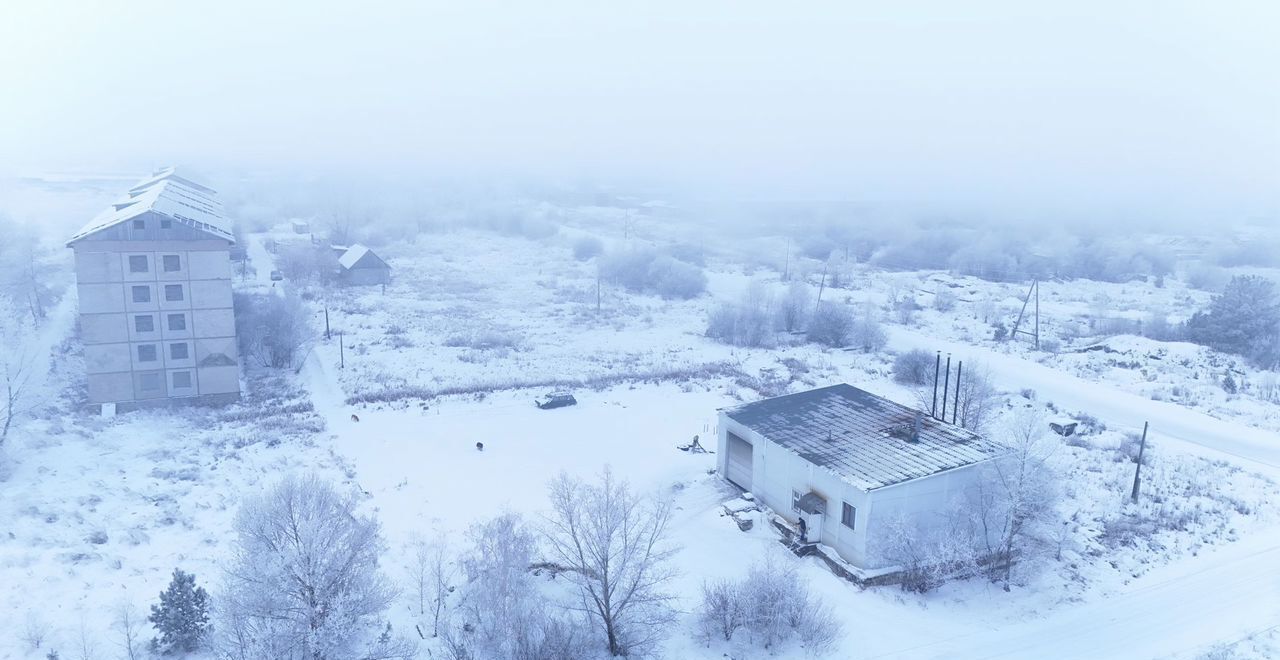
[(739, 462)]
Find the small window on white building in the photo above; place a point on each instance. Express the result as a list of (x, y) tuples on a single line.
[(138, 263), (139, 224), (147, 353), (848, 515), (166, 224), (141, 294), (144, 323), (795, 500), (177, 321), (172, 263), (173, 292), (178, 351), (182, 380)]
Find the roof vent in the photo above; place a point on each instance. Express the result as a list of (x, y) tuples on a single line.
[(915, 427)]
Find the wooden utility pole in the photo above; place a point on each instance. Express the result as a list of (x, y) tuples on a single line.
[(821, 285), (1034, 291), (786, 270), (342, 352), (1137, 470), (326, 321)]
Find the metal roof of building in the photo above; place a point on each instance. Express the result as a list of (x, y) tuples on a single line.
[(170, 195), (352, 256), (861, 437)]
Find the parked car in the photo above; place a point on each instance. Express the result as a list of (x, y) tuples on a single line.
[(276, 276), (555, 400)]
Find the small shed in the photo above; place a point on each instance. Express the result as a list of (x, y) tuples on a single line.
[(301, 227), (849, 464), (360, 266)]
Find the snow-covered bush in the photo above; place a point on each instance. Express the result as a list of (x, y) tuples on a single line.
[(832, 325), (915, 367), (303, 581), (181, 617), (671, 278), (745, 323), (793, 309), (867, 333), (772, 607), (647, 270), (944, 300)]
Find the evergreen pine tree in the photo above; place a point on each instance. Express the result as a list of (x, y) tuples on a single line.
[(1229, 384), (182, 615)]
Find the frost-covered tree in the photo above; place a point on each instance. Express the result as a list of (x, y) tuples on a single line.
[(273, 330), (17, 365), (1244, 319), (613, 545), (502, 614), (914, 367), (182, 616), (304, 582), (1016, 498), (832, 325), (793, 310)]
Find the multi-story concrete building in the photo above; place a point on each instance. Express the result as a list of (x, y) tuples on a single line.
[(153, 273)]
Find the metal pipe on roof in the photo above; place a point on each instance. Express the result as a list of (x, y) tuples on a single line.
[(946, 385)]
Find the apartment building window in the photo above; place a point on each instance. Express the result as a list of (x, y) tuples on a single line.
[(138, 263), (182, 380), (848, 515), (178, 351), (141, 294), (147, 353), (139, 224), (149, 382), (173, 292), (177, 321), (795, 501), (172, 263), (144, 323)]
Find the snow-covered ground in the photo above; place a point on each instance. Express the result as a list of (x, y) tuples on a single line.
[(98, 512)]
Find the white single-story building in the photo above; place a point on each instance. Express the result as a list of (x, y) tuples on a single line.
[(848, 463)]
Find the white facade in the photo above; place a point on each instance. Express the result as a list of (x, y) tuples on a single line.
[(156, 315), (779, 475)]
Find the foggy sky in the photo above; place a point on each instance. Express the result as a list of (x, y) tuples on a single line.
[(1092, 108)]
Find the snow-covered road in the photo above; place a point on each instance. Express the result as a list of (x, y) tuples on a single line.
[(1117, 408)]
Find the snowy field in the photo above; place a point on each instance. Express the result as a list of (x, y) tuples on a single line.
[(100, 511)]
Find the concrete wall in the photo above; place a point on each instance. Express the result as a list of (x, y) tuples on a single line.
[(188, 304)]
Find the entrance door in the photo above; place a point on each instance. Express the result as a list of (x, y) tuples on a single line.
[(739, 462)]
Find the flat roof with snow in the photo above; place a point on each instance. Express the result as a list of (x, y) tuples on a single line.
[(861, 437)]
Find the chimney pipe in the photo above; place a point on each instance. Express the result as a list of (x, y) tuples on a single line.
[(915, 427)]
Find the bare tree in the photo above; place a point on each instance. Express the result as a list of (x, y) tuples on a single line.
[(17, 362), (772, 604), (613, 545), (433, 574), (979, 398), (793, 311), (1016, 497), (129, 624), (502, 615), (86, 647), (34, 630), (304, 583), (273, 330)]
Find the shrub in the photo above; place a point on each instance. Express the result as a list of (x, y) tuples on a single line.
[(944, 300), (181, 617), (794, 308), (915, 367), (671, 278), (832, 325), (644, 269), (587, 247), (772, 605), (867, 333)]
